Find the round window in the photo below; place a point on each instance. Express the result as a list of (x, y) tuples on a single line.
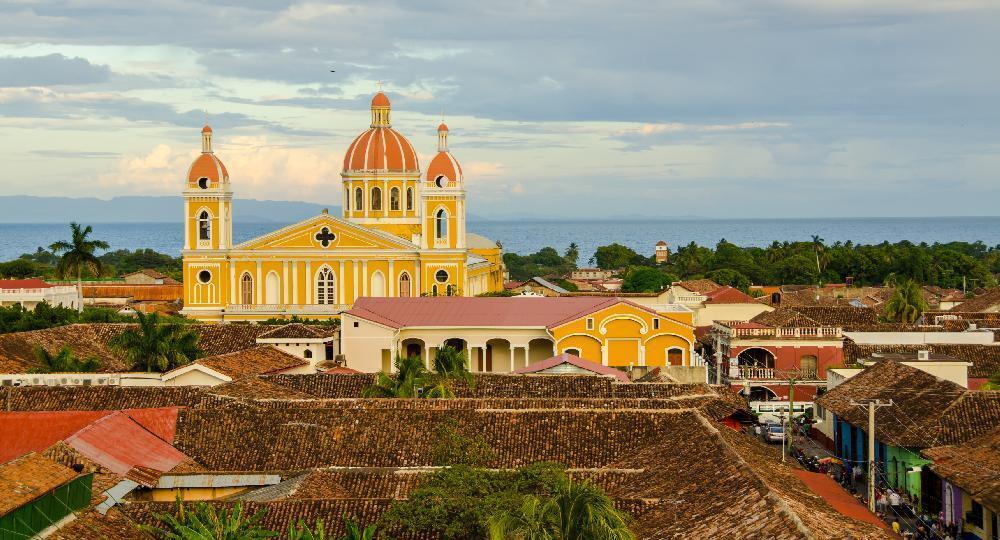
[(441, 276), (203, 182), (441, 180), (204, 276)]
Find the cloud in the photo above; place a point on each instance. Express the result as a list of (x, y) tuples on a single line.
[(50, 70)]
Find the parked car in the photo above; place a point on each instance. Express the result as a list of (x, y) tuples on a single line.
[(775, 433)]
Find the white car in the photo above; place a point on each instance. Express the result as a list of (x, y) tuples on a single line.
[(775, 433)]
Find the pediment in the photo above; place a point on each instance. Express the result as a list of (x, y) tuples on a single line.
[(325, 232)]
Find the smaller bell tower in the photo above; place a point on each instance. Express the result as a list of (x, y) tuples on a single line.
[(208, 201), (443, 198)]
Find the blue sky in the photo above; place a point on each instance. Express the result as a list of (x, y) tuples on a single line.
[(719, 108)]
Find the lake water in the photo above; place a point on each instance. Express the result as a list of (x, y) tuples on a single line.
[(528, 236)]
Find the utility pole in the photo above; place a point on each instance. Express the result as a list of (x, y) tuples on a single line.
[(718, 360), (792, 377), (872, 406)]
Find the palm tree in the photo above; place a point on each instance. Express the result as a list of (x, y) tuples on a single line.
[(450, 365), (63, 361), (207, 522), (156, 346), (818, 248), (78, 254), (410, 375), (906, 304), (576, 511)]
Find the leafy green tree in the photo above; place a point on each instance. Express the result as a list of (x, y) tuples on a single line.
[(208, 522), (545, 262), (450, 366), (616, 256), (456, 502), (733, 278), (301, 531), (645, 279), (18, 269), (63, 361), (906, 303), (453, 447), (78, 254), (572, 254), (155, 345), (577, 511), (993, 383)]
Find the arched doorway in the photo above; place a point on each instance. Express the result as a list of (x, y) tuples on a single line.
[(540, 349), (459, 345), (759, 393), (675, 356), (272, 289), (326, 286), (246, 289), (412, 347)]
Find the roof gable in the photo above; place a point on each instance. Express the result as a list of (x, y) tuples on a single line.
[(457, 311), (566, 358), (28, 478), (302, 235)]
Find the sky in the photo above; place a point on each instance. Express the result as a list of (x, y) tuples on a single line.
[(569, 109)]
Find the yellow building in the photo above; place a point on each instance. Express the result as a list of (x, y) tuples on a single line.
[(504, 334), (402, 234)]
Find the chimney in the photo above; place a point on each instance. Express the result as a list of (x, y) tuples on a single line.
[(923, 355)]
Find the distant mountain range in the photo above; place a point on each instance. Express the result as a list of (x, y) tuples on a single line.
[(25, 209)]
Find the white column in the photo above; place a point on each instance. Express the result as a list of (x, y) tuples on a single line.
[(642, 355), (604, 354), (385, 198), (258, 285), (390, 286), (357, 284), (340, 285), (364, 278), (222, 225), (309, 295), (419, 284), (366, 199), (295, 282), (232, 282)]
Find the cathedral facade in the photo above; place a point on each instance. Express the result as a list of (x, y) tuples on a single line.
[(402, 233)]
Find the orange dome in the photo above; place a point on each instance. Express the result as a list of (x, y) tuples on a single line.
[(444, 165), (381, 149), (208, 166), (206, 129), (380, 100), (442, 127)]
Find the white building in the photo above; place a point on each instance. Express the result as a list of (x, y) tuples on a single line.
[(28, 293)]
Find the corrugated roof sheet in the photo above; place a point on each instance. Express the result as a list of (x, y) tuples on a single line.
[(120, 443)]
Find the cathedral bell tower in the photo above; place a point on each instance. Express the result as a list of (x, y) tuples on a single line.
[(443, 199), (208, 201)]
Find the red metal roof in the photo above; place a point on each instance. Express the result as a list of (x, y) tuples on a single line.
[(119, 443), (161, 422), (23, 432), (33, 283), (480, 311), (566, 358)]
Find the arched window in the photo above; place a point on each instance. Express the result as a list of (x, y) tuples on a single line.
[(376, 198), (441, 224), (246, 289), (272, 289), (574, 352), (409, 198), (204, 226), (378, 284), (359, 199), (434, 290), (326, 291), (307, 354), (450, 290), (394, 199), (404, 285)]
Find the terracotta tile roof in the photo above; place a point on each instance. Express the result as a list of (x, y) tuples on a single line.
[(252, 362), (94, 526), (566, 358), (927, 411), (728, 295), (33, 283), (839, 316), (27, 478), (255, 388), (98, 398), (297, 330), (973, 466), (988, 300), (701, 286), (86, 340), (985, 359), (478, 311), (784, 318)]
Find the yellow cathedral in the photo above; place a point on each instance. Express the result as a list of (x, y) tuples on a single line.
[(402, 234)]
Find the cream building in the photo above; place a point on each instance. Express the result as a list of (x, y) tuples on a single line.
[(402, 233)]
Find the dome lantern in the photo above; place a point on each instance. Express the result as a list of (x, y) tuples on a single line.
[(206, 139), (442, 137), (380, 110)]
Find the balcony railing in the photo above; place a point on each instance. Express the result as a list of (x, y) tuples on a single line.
[(751, 373), (794, 332), (289, 309)]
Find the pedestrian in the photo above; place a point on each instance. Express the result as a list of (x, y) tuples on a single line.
[(882, 503), (895, 526), (894, 501)]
